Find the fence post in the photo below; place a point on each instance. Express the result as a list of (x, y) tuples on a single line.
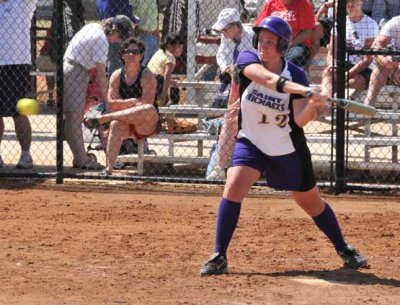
[(340, 179), (59, 41)]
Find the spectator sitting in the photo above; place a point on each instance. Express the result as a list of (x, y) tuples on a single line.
[(130, 101), (387, 66), (360, 33), (88, 49), (163, 63), (300, 15)]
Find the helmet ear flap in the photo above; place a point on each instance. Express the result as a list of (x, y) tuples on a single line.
[(255, 41), (282, 46)]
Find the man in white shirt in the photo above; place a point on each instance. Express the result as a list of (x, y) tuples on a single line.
[(88, 49), (15, 65), (236, 37), (386, 66)]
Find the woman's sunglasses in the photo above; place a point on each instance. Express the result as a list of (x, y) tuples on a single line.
[(132, 52)]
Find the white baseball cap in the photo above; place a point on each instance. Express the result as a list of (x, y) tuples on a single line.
[(226, 16)]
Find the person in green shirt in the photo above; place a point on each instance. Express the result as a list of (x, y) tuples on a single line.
[(147, 30)]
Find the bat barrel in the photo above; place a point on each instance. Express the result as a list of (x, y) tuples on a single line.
[(353, 106)]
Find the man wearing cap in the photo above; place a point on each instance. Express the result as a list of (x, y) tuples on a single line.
[(88, 49), (236, 38)]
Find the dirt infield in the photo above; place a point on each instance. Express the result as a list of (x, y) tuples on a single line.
[(113, 246)]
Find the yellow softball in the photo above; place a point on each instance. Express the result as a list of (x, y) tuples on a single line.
[(27, 106)]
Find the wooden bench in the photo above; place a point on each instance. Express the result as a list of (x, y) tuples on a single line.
[(199, 159), (364, 130), (168, 141), (170, 158), (388, 106)]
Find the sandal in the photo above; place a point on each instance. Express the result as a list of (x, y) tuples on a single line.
[(91, 123)]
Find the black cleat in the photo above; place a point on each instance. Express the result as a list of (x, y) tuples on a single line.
[(352, 258), (217, 264)]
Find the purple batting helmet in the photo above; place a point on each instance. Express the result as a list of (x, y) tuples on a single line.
[(277, 26)]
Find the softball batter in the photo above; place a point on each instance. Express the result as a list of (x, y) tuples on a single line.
[(275, 104)]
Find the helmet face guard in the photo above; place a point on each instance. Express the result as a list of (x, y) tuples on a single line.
[(277, 26)]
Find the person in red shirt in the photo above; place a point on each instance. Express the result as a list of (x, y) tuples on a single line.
[(300, 16)]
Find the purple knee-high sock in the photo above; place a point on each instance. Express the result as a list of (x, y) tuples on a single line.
[(328, 224), (228, 216)]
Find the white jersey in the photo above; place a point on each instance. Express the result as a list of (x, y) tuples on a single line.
[(267, 115), (15, 35), (392, 29), (89, 46), (357, 33)]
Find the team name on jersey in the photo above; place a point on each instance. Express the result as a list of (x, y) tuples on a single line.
[(260, 98)]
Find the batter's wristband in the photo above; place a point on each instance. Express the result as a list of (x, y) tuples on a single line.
[(280, 83)]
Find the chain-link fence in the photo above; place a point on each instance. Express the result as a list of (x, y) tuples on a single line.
[(140, 89)]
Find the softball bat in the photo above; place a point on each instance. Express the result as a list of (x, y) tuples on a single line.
[(353, 106)]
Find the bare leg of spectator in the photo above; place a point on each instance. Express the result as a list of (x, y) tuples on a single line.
[(118, 132), (379, 77), (326, 85), (24, 132), (226, 140), (142, 118)]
